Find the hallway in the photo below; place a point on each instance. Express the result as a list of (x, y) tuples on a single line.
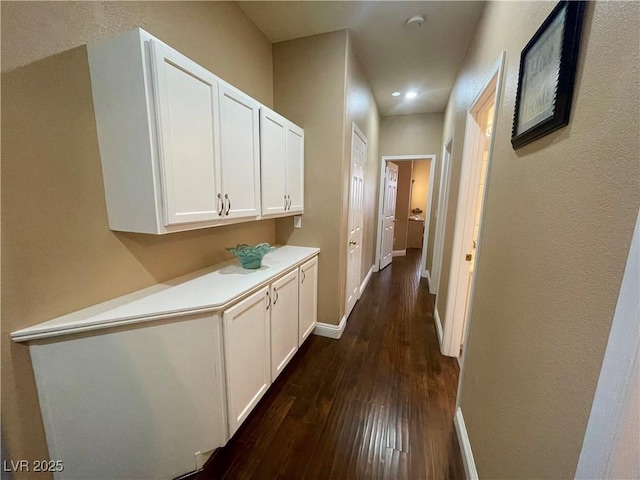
[(378, 403)]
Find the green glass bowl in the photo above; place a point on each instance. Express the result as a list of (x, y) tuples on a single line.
[(251, 257)]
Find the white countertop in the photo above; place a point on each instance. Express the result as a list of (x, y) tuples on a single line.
[(212, 288)]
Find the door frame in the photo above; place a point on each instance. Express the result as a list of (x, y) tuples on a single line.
[(425, 243), (441, 219), (457, 310), (354, 131)]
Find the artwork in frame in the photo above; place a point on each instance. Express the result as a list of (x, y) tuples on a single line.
[(547, 73)]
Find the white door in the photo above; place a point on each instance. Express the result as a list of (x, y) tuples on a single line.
[(389, 213), (295, 168), (247, 355), (308, 299), (284, 322), (239, 153), (188, 145), (356, 215)]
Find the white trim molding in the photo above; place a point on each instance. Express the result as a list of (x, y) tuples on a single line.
[(329, 330), (427, 275), (611, 447), (365, 282), (399, 253), (436, 320), (383, 162), (465, 446)]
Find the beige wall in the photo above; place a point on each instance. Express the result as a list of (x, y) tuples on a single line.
[(559, 218), (416, 135), (420, 189), (58, 254), (362, 110), (403, 199), (309, 88), (319, 84)]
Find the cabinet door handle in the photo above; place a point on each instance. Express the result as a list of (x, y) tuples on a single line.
[(289, 197), (275, 300), (228, 202), (268, 300), (285, 202), (220, 205), (303, 276)]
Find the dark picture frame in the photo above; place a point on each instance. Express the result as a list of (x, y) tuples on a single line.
[(547, 74)]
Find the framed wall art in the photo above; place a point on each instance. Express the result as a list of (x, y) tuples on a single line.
[(547, 73)]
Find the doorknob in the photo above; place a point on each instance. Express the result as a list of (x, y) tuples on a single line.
[(351, 242)]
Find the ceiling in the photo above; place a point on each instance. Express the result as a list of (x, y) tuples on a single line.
[(394, 57)]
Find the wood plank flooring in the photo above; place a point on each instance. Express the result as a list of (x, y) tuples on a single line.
[(376, 404)]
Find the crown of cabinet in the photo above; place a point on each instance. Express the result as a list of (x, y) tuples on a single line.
[(180, 148)]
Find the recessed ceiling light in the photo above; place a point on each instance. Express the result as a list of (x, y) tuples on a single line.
[(396, 94), (411, 94)]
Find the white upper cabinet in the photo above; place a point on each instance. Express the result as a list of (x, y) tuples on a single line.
[(295, 168), (282, 164), (240, 153), (273, 149), (180, 148), (186, 102)]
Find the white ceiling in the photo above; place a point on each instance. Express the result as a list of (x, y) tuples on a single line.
[(394, 57)]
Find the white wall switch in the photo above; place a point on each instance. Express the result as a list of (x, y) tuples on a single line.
[(297, 221)]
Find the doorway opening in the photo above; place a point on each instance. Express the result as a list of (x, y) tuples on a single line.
[(404, 214), (467, 237)]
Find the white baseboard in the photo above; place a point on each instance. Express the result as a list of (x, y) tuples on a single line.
[(329, 330), (465, 446), (399, 253), (436, 320), (365, 282), (427, 275)]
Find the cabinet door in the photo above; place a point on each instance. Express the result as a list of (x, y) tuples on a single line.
[(273, 148), (284, 322), (308, 313), (186, 101), (240, 153), (247, 355), (295, 167)]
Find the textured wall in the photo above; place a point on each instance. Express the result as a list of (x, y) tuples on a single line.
[(559, 217), (58, 254), (309, 88)]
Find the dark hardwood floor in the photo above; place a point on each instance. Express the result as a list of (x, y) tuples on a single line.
[(376, 404)]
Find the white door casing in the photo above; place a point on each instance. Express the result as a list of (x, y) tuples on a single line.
[(389, 213), (458, 309), (355, 218), (186, 104), (441, 216)]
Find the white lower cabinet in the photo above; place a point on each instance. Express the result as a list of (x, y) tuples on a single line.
[(247, 355), (284, 322), (308, 299)]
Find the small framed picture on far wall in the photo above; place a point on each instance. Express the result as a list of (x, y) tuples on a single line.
[(547, 73)]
